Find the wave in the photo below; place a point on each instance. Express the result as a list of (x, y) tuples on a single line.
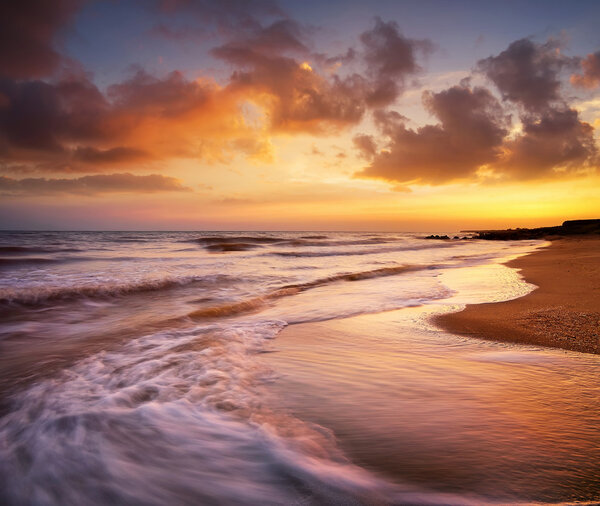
[(143, 423), (236, 239), (332, 243), (256, 303), (370, 251), (15, 262), (230, 246), (126, 238), (243, 243), (44, 296), (17, 250)]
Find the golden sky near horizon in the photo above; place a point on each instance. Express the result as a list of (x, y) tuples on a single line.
[(269, 124)]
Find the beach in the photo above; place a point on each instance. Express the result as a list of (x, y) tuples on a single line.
[(456, 415), (563, 312), (283, 368), (447, 419)]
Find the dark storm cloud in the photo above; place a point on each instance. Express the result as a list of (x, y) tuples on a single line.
[(90, 185), (28, 32), (555, 143), (473, 129), (281, 36), (69, 125), (553, 140), (330, 62), (528, 73), (390, 58), (470, 132), (38, 115), (590, 72), (144, 94), (263, 43)]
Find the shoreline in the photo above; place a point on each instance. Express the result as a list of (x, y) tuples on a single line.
[(563, 312)]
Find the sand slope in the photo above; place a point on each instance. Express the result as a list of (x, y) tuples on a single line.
[(563, 312)]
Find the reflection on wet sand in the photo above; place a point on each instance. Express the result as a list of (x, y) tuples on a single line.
[(458, 415)]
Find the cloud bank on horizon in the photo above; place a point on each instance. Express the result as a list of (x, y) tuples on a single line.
[(513, 118)]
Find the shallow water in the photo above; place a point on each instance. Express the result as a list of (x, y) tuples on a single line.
[(487, 420), (136, 369)]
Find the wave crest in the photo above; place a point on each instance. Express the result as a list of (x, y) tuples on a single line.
[(40, 296), (256, 303)]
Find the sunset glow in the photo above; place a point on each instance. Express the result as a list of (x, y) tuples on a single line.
[(264, 116), (299, 252)]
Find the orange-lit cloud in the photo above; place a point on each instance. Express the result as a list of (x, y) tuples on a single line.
[(472, 140), (590, 76), (298, 98), (66, 124), (471, 130), (554, 144), (265, 123), (69, 125)]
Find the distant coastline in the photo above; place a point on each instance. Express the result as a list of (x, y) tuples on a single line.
[(567, 229)]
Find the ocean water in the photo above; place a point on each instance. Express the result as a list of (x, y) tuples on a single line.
[(144, 368)]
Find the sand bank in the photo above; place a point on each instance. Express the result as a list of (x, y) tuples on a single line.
[(563, 312)]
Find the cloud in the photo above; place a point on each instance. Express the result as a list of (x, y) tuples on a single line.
[(472, 140), (69, 125), (119, 154), (28, 32), (553, 140), (470, 132), (528, 73), (553, 144), (590, 76), (226, 15), (65, 123), (390, 58), (146, 95), (91, 185), (280, 36), (270, 66), (366, 145), (294, 95), (37, 115)]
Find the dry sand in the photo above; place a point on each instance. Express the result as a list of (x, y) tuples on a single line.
[(563, 312)]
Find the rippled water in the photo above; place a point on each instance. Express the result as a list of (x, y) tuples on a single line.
[(136, 369)]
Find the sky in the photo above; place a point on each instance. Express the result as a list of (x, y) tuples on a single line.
[(298, 115)]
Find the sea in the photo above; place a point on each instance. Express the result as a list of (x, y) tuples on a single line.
[(279, 368)]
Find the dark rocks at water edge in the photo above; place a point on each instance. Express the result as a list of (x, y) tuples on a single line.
[(445, 237), (568, 228)]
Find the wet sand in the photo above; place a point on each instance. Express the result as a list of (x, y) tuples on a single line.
[(483, 419), (488, 421), (564, 312)]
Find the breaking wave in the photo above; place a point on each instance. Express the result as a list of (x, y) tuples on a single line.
[(224, 243), (256, 303), (370, 251), (39, 296), (178, 417), (17, 250)]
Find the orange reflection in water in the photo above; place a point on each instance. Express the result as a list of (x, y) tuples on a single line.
[(449, 413)]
